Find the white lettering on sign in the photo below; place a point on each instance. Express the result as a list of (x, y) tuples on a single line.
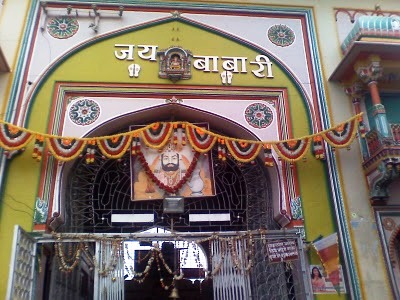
[(261, 61), (146, 49), (279, 251), (231, 64), (124, 53), (203, 63), (127, 53)]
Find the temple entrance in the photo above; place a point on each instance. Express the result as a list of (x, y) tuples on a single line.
[(237, 265), (245, 254)]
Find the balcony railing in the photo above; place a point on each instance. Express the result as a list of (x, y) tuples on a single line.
[(381, 148)]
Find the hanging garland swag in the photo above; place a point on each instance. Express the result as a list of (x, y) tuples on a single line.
[(69, 258), (157, 135)]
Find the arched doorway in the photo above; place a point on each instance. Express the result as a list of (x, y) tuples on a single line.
[(242, 190), (93, 192)]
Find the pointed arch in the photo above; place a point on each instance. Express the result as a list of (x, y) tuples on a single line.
[(313, 116), (268, 197)]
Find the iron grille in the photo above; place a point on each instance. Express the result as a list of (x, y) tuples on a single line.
[(95, 191)]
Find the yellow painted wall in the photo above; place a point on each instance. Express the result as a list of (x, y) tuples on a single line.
[(12, 21), (21, 188), (98, 64)]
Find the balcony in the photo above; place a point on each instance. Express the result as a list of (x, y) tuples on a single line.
[(372, 27), (381, 148), (378, 35), (382, 162), (371, 52)]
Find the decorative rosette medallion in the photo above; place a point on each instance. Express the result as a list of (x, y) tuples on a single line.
[(281, 35), (258, 115), (62, 27), (389, 224), (84, 112)]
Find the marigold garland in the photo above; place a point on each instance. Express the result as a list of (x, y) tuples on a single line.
[(268, 158), (318, 147), (200, 140), (70, 258), (342, 135), (90, 151), (243, 151), (156, 135), (65, 149), (12, 138), (38, 148), (114, 147), (294, 150)]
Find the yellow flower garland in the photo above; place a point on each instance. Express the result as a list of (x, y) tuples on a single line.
[(139, 132)]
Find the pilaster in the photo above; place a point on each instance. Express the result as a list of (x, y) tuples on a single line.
[(357, 94), (370, 72)]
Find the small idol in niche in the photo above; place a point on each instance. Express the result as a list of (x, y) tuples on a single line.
[(175, 62)]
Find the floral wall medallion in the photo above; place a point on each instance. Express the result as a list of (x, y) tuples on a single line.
[(62, 27), (281, 35), (389, 224), (84, 112), (258, 115)]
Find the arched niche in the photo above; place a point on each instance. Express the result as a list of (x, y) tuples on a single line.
[(249, 192)]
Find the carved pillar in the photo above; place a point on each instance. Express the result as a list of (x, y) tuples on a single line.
[(356, 93), (370, 73)]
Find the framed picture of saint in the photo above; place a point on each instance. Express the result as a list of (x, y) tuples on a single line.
[(173, 169)]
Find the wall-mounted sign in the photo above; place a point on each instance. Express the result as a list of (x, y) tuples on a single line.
[(282, 250), (175, 62)]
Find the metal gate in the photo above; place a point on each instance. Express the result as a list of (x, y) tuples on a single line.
[(237, 276), (21, 276), (109, 278)]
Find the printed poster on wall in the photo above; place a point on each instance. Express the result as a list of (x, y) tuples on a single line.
[(176, 164), (321, 284)]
